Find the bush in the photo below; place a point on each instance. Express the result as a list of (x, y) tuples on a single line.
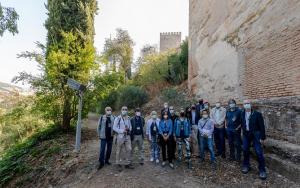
[(132, 97), (19, 123), (13, 161)]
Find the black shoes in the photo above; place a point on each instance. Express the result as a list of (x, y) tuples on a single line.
[(101, 165), (108, 163)]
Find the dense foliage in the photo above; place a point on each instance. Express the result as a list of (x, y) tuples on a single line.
[(8, 20)]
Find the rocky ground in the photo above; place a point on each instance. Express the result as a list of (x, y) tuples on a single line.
[(80, 171), (68, 169)]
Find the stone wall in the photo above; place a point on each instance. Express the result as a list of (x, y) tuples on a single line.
[(249, 49), (169, 40)]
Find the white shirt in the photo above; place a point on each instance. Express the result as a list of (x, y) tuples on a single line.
[(218, 116), (247, 117), (120, 124)]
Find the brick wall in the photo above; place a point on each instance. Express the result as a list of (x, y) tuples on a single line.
[(249, 49), (273, 69)]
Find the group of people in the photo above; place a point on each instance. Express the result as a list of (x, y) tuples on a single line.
[(198, 127)]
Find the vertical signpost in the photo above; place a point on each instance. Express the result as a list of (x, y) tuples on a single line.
[(79, 88)]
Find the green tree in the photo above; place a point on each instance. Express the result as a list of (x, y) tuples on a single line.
[(8, 20), (70, 52), (120, 49)]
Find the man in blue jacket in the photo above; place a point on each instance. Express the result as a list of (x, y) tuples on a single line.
[(182, 133), (253, 132), (233, 129)]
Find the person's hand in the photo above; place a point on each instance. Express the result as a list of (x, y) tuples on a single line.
[(262, 142), (189, 139), (174, 138)]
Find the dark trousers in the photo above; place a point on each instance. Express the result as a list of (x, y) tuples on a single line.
[(248, 138), (235, 142), (105, 144), (219, 137), (172, 139), (167, 148)]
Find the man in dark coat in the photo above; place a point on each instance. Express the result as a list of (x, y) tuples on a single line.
[(253, 132)]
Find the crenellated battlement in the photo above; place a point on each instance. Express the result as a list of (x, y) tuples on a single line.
[(169, 40), (170, 33)]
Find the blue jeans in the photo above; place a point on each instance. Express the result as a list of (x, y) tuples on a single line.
[(105, 144), (248, 138), (209, 143), (235, 142), (219, 136)]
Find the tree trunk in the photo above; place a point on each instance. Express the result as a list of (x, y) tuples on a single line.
[(66, 113)]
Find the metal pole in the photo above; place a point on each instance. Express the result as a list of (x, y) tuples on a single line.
[(78, 128)]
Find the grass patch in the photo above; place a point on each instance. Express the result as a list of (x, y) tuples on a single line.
[(13, 161)]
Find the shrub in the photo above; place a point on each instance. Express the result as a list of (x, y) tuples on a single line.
[(132, 97)]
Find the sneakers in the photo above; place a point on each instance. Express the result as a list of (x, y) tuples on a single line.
[(245, 170), (157, 161), (163, 163), (151, 159), (171, 165), (263, 175), (129, 166)]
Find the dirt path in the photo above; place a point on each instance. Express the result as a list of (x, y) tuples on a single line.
[(83, 172)]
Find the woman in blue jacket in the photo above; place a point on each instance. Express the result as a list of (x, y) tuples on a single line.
[(182, 132), (165, 132)]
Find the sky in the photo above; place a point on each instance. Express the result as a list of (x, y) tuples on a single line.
[(144, 20)]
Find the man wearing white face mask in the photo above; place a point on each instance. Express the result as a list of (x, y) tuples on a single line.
[(218, 114), (122, 126), (253, 132), (137, 134), (105, 134), (206, 129), (165, 109)]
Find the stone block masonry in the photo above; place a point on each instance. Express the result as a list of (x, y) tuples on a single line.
[(249, 49), (169, 40)]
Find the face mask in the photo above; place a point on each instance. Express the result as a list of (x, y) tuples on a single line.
[(218, 105), (108, 112), (138, 113), (153, 116), (247, 106), (193, 108), (165, 116), (205, 116), (172, 111), (182, 114), (124, 112), (231, 105)]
